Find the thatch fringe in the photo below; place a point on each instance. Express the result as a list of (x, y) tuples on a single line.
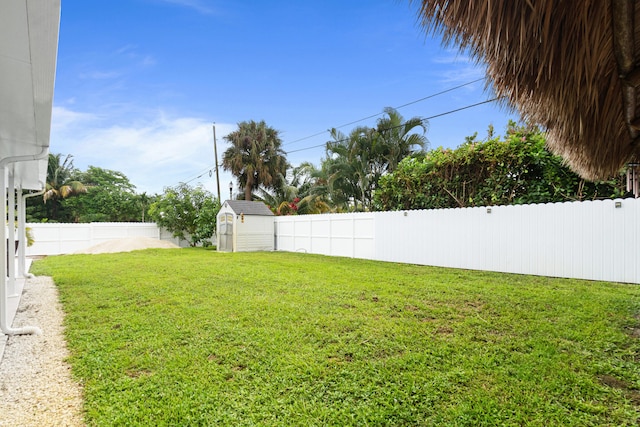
[(555, 62)]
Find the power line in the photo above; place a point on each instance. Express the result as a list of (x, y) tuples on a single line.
[(398, 107), (201, 174), (464, 108), (211, 168), (394, 127)]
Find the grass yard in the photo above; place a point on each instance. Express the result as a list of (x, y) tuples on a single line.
[(192, 337)]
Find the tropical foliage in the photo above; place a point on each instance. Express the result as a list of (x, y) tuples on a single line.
[(190, 213), (355, 163), (99, 195), (385, 167), (110, 197), (515, 170), (61, 183), (295, 194), (255, 157)]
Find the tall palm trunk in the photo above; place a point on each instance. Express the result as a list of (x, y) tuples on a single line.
[(248, 187)]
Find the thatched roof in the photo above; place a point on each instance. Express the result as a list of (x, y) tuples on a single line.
[(570, 66)]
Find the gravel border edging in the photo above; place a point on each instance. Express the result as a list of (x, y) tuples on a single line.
[(36, 387)]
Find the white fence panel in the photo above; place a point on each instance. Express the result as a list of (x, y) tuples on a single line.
[(320, 234), (104, 231), (56, 239), (596, 240), (284, 235), (342, 235), (364, 236), (302, 234), (350, 235)]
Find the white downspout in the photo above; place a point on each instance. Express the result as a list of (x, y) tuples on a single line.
[(11, 237), (22, 233), (5, 327)]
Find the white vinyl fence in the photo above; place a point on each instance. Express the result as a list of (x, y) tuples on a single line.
[(596, 240), (56, 239)]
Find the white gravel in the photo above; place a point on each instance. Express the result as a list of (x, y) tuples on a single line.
[(36, 387)]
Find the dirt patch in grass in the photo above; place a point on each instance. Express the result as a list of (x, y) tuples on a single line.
[(127, 244), (613, 382)]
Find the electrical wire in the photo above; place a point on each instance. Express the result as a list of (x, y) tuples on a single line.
[(212, 168), (394, 127), (396, 108), (201, 174)]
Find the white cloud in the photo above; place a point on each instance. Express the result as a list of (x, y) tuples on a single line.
[(99, 75), (153, 153), (130, 53), (453, 56), (198, 5), (461, 75), (458, 67), (64, 118), (147, 61)]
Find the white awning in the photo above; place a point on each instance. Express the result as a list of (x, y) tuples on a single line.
[(28, 52)]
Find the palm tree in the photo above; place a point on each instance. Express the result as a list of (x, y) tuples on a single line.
[(313, 189), (60, 182), (398, 138), (354, 163), (279, 197), (294, 195), (255, 157)]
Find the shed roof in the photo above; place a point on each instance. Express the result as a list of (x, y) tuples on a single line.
[(249, 208), (571, 66)]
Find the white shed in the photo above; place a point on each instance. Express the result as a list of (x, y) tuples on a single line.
[(245, 226)]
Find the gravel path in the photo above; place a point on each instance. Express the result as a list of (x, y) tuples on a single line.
[(36, 388)]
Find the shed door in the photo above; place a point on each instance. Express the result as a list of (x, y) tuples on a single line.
[(226, 232)]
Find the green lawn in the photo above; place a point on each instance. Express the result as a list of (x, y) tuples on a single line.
[(191, 337)]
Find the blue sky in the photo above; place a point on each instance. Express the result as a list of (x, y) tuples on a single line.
[(139, 83)]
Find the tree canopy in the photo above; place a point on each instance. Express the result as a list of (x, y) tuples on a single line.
[(355, 162), (110, 197), (386, 167), (190, 213), (94, 195), (517, 169), (61, 183), (255, 157)]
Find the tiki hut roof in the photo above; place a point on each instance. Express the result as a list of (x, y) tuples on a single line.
[(570, 66)]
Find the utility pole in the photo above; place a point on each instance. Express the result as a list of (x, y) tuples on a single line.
[(215, 151)]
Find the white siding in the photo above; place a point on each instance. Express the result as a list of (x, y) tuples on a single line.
[(256, 233), (250, 232)]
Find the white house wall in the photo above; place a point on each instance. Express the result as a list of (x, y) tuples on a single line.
[(588, 240)]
